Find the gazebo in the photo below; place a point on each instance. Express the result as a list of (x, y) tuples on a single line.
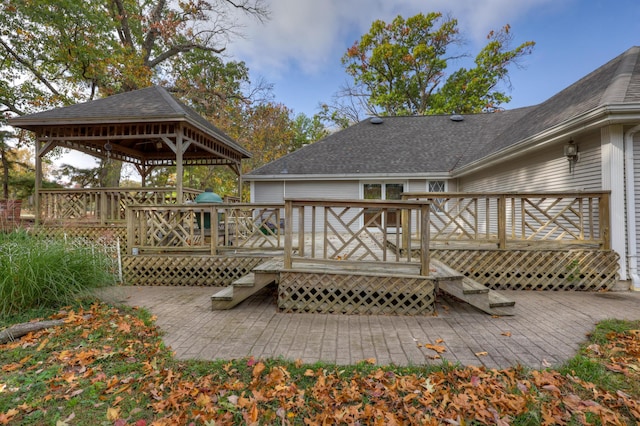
[(147, 128)]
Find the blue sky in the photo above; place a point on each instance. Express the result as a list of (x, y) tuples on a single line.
[(299, 49)]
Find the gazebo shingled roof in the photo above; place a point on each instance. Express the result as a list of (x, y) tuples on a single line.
[(133, 123), (146, 127)]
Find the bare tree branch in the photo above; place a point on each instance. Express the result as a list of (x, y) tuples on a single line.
[(178, 49), (30, 67), (124, 31), (150, 39)]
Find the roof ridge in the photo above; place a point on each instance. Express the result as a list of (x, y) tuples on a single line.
[(617, 89), (177, 106)]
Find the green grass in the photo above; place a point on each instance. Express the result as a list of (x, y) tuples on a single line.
[(40, 272)]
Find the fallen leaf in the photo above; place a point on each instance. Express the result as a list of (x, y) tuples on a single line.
[(43, 344), (258, 369), (438, 348), (113, 414), (202, 400), (506, 333), (6, 417), (483, 353)]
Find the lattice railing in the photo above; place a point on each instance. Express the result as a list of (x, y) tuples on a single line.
[(356, 232), (503, 218), (205, 227), (101, 205)]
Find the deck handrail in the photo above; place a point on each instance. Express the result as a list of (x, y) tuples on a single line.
[(204, 227), (101, 205), (580, 218), (355, 232)]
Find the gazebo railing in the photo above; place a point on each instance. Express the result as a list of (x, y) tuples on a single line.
[(211, 228), (101, 205), (504, 219)]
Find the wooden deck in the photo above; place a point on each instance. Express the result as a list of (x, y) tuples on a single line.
[(345, 256)]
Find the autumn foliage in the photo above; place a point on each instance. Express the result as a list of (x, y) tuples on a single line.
[(114, 363)]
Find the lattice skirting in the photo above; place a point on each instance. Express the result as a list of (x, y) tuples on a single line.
[(186, 270), (355, 294), (535, 270), (96, 233)]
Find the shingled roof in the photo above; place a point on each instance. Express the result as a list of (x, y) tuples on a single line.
[(436, 144), (150, 105)]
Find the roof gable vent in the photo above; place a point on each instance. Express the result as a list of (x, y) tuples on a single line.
[(375, 120), (456, 117)]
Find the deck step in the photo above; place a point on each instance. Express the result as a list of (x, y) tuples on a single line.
[(472, 292), (246, 281), (247, 285), (272, 265), (223, 295), (470, 286), (496, 300)]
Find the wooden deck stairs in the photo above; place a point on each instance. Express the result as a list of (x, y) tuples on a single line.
[(448, 280), (259, 277), (473, 293)]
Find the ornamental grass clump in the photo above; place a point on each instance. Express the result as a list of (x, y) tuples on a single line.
[(38, 272)]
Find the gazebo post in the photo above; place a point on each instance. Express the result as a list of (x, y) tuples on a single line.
[(38, 182), (179, 167)]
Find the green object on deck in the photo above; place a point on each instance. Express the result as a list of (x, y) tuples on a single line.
[(208, 196)]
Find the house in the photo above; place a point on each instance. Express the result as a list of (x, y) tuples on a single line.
[(592, 123)]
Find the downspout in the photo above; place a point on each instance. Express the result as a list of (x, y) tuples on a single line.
[(632, 256)]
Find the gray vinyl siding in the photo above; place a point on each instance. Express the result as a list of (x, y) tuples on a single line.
[(546, 170), (417, 186), (268, 192), (344, 190)]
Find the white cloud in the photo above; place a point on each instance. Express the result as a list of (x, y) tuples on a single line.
[(311, 35)]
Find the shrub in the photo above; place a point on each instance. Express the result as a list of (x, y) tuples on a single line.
[(38, 272)]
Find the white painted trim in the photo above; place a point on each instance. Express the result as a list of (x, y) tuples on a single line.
[(356, 177), (612, 143), (632, 254)]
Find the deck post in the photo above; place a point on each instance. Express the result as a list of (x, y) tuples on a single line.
[(404, 224), (288, 225), (130, 229), (424, 238), (215, 226), (103, 209), (604, 220), (502, 221)]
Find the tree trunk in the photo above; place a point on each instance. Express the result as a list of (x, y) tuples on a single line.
[(110, 173), (18, 330)]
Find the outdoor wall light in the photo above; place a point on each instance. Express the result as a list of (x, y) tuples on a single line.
[(572, 154)]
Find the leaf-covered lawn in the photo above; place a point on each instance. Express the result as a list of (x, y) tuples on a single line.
[(108, 366)]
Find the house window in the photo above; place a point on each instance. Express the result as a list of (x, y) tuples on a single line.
[(382, 191), (437, 186)]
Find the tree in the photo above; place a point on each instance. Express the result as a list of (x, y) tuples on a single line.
[(56, 52), (400, 68), (307, 130)]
